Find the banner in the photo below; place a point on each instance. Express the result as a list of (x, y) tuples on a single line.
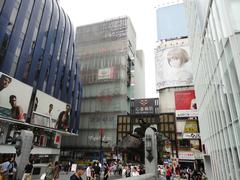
[(14, 97), (173, 67), (106, 73), (185, 104), (50, 112)]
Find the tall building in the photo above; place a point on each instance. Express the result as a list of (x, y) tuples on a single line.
[(214, 28), (37, 48), (39, 77), (174, 82), (139, 75), (106, 52)]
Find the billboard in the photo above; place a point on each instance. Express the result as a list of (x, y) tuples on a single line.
[(171, 22), (188, 129), (144, 106), (50, 112), (106, 73), (173, 68), (14, 97), (185, 103)]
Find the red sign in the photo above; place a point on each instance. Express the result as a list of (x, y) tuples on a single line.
[(185, 103), (57, 139), (101, 131), (184, 100)]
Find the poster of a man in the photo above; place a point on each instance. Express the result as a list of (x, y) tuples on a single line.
[(14, 97), (63, 119), (48, 110), (4, 81), (16, 110)]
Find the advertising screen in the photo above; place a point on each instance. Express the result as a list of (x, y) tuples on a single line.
[(50, 112), (173, 67), (185, 103), (14, 97)]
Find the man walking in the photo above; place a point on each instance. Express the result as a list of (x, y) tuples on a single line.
[(79, 172)]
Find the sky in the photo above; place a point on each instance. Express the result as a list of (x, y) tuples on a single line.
[(143, 16)]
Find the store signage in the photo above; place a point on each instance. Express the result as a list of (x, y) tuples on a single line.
[(186, 155), (144, 106), (191, 136)]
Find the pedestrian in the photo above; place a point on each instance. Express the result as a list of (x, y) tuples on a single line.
[(106, 171), (168, 173), (49, 172), (79, 172), (8, 169), (134, 171), (96, 169), (28, 171), (89, 172), (128, 171), (56, 170), (124, 172)]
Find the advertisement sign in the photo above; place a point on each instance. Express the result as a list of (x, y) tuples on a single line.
[(191, 126), (173, 67), (50, 112), (106, 73), (144, 106), (191, 136), (14, 97), (186, 155), (185, 103)]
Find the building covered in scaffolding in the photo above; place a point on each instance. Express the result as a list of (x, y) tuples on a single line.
[(106, 52)]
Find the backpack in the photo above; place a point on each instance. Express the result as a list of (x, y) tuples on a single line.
[(128, 173), (10, 168)]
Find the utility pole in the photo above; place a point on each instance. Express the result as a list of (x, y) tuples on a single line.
[(101, 148)]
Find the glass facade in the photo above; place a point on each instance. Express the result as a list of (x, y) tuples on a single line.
[(215, 54), (37, 47)]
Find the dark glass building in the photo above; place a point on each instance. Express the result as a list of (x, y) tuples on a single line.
[(37, 48)]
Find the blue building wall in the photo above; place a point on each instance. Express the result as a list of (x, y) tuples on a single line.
[(171, 22), (37, 48)]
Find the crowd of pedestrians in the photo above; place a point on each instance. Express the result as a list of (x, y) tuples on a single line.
[(171, 172)]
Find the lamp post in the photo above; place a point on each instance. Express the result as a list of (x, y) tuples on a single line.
[(101, 148)]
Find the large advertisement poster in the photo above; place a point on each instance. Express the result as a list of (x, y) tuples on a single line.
[(14, 97), (173, 68), (50, 112), (185, 103)]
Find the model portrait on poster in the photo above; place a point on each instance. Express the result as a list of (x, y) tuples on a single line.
[(16, 110), (63, 119), (4, 81), (177, 71)]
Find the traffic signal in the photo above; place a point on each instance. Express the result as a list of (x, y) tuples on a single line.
[(18, 145)]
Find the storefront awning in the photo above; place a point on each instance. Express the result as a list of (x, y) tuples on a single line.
[(7, 149), (41, 150)]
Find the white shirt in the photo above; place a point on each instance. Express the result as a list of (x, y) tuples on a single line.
[(88, 172)]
